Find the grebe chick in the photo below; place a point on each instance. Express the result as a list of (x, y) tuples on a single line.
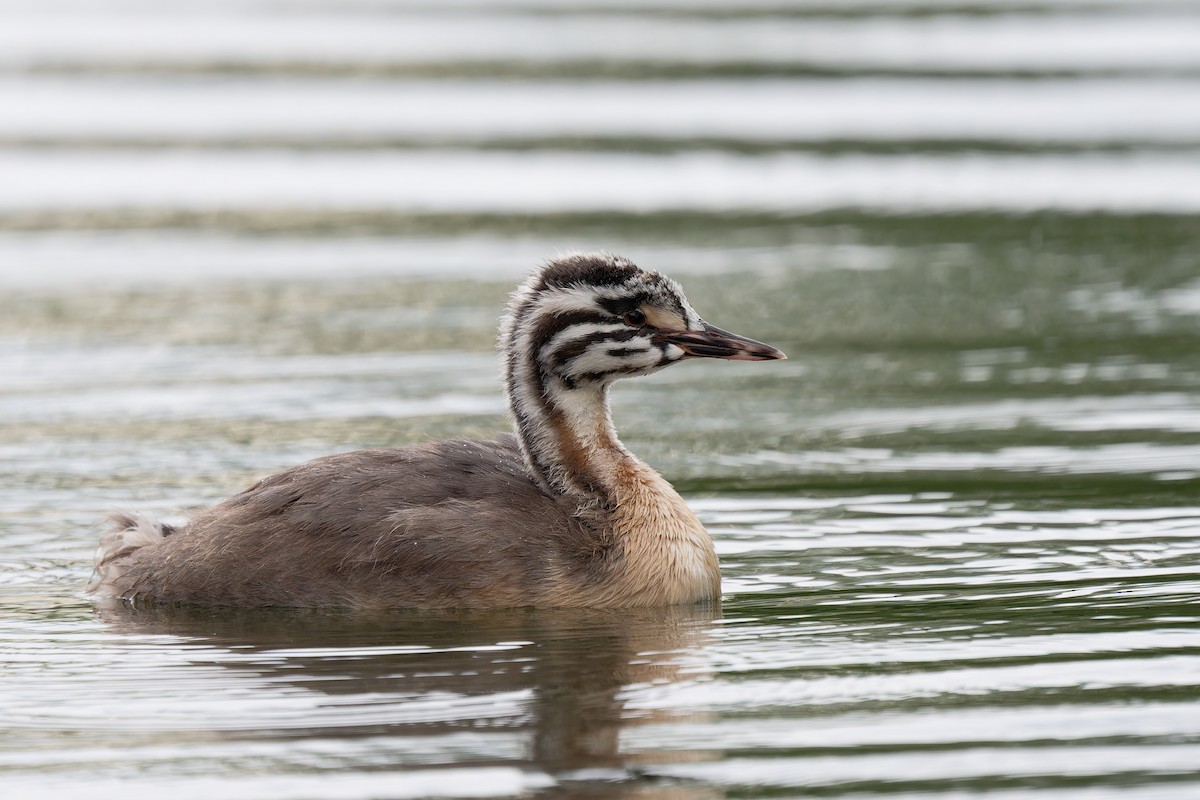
[(561, 514)]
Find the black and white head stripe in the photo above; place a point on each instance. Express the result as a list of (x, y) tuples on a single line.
[(580, 321), (576, 325)]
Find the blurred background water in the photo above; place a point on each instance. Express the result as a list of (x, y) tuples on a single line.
[(959, 527)]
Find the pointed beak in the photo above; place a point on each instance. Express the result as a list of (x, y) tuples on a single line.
[(712, 342)]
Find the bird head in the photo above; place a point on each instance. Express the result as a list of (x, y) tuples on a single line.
[(588, 319)]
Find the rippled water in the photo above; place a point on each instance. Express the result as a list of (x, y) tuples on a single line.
[(959, 527)]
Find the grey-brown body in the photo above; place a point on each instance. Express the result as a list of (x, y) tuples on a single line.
[(559, 515), (446, 524), (451, 524)]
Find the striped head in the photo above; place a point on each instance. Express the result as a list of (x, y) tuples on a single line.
[(577, 325), (585, 320)]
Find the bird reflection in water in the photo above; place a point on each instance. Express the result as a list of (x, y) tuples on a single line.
[(572, 670)]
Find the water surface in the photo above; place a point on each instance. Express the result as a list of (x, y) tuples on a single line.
[(959, 527)]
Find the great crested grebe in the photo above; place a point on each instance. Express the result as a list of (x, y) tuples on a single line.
[(559, 515)]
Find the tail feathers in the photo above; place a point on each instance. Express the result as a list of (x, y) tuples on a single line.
[(130, 532)]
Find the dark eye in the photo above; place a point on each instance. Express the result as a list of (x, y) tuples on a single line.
[(635, 318)]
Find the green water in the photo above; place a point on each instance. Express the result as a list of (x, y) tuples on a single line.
[(959, 527)]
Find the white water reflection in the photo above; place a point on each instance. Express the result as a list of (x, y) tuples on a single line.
[(198, 35), (122, 259), (461, 181), (1168, 462), (455, 111), (958, 764), (1135, 411), (342, 784)]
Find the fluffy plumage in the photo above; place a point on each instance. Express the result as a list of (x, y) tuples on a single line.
[(559, 515)]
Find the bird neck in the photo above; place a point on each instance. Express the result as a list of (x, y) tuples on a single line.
[(567, 437), (664, 555)]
